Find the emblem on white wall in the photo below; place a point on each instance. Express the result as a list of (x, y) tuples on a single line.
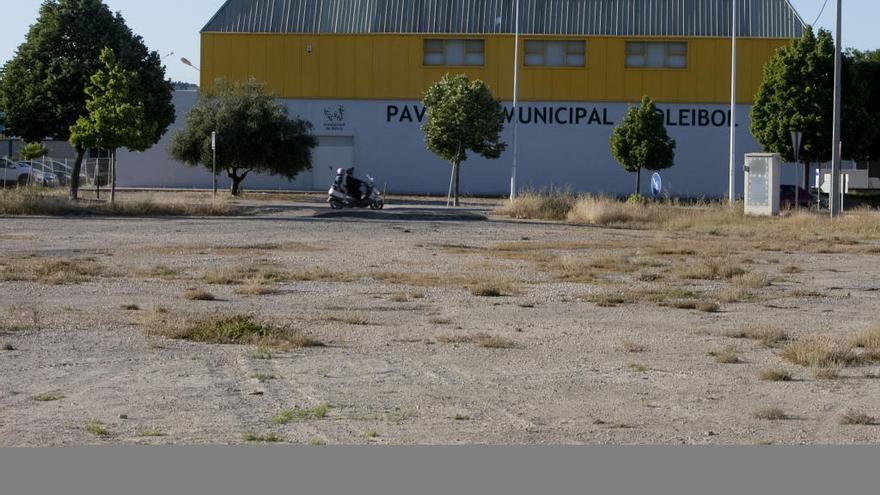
[(335, 119)]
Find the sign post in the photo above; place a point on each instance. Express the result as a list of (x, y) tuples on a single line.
[(796, 138), (214, 160), (656, 185)]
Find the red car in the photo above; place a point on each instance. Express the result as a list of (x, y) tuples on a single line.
[(805, 199)]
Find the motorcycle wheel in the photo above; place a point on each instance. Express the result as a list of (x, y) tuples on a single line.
[(336, 205), (377, 205)]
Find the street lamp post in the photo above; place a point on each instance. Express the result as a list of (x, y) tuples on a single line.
[(515, 100), (214, 160), (835, 199), (731, 188), (185, 61)]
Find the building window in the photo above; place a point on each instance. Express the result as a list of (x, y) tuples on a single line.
[(656, 55), (455, 52), (555, 53)]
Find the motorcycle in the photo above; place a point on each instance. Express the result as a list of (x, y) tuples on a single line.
[(372, 198)]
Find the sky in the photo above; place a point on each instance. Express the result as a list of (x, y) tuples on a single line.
[(172, 26)]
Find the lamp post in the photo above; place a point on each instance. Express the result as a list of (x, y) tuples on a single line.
[(185, 61), (835, 199), (214, 160), (731, 189), (515, 100)]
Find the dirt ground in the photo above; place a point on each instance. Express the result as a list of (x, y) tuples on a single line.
[(416, 352)]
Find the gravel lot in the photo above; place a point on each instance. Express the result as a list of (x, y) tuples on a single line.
[(401, 365)]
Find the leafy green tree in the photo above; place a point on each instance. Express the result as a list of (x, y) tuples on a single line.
[(115, 118), (797, 94), (462, 116), (32, 151), (42, 89), (641, 142), (254, 134), (865, 72)]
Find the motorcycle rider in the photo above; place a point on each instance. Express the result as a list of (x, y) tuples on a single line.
[(353, 186)]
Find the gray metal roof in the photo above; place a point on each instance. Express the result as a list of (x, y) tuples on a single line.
[(758, 18)]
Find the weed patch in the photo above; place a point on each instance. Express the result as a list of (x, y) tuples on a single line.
[(770, 414), (230, 329), (290, 415)]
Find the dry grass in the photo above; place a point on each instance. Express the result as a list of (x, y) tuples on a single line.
[(51, 271), (198, 295), (488, 290), (805, 231), (853, 418), (776, 375), (711, 269), (239, 275), (728, 355), (267, 438), (821, 353), (256, 287), (320, 274), (481, 339), (163, 271), (229, 329), (551, 204), (770, 414), (598, 210), (869, 340), (27, 202), (350, 318), (630, 346), (751, 281), (766, 335)]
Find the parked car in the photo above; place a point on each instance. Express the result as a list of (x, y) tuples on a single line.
[(41, 173), (22, 173), (60, 169), (788, 194)]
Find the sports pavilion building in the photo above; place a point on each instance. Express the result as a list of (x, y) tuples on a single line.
[(357, 70)]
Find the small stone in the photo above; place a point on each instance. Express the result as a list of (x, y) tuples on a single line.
[(123, 416), (258, 392), (711, 434)]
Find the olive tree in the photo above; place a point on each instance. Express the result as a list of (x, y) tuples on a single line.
[(254, 134), (641, 142), (462, 116)]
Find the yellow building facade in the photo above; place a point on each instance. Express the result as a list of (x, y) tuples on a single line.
[(391, 67)]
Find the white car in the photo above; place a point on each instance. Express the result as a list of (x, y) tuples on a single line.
[(22, 173)]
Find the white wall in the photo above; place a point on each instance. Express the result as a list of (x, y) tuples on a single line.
[(389, 144)]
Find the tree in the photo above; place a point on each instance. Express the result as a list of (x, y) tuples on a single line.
[(32, 151), (797, 94), (115, 118), (254, 133), (641, 142), (865, 71), (42, 89), (462, 116)]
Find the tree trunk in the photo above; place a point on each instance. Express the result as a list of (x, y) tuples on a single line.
[(113, 176), (456, 169), (235, 188), (73, 193), (638, 181)]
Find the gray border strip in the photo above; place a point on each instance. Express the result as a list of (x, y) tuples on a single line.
[(441, 470)]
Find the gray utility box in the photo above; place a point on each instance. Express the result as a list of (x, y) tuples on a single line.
[(762, 184)]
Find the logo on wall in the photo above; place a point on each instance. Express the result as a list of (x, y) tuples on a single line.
[(335, 119)]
